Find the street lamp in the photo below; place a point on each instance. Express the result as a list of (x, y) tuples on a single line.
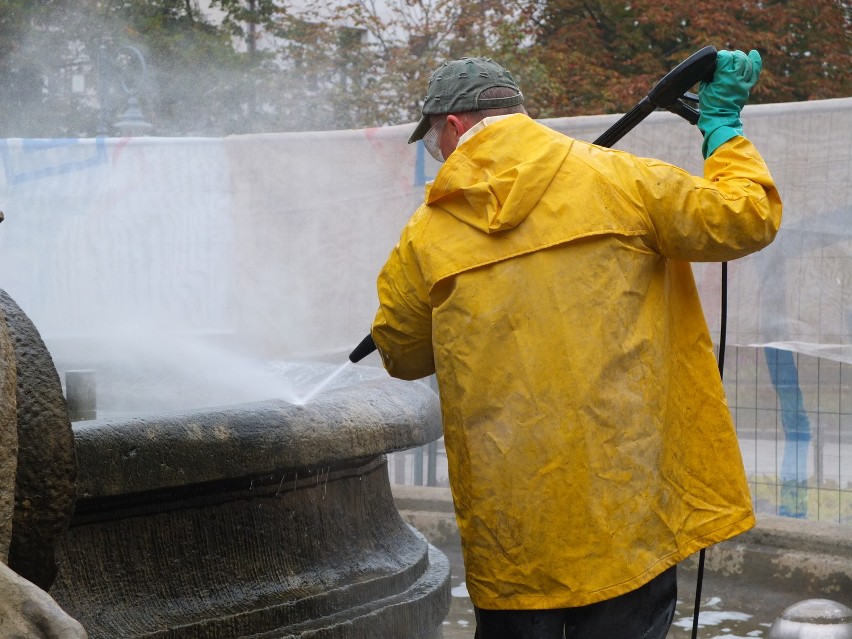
[(126, 66)]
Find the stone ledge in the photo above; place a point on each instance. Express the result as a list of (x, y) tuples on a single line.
[(133, 455)]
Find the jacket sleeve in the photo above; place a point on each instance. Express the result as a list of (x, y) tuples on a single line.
[(402, 329), (733, 211)]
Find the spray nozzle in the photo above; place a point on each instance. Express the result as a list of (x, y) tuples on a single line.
[(363, 349)]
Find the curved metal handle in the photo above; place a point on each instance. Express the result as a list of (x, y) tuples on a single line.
[(699, 66), (669, 93)]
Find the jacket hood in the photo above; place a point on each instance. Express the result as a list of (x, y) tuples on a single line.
[(493, 180)]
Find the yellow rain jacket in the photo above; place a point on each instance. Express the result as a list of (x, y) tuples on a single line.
[(546, 281)]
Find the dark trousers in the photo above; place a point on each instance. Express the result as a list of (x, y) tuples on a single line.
[(644, 613)]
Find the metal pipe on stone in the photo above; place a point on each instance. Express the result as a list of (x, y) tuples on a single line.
[(81, 392)]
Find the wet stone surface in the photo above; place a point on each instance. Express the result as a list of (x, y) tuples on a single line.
[(46, 465), (729, 610)]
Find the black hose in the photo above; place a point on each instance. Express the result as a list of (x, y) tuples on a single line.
[(699, 582), (723, 321), (720, 358)]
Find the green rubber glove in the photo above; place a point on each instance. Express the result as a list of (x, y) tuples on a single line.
[(721, 100)]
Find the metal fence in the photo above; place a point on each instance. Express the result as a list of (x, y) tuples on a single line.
[(793, 415)]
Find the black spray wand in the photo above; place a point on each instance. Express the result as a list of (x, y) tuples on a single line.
[(670, 93)]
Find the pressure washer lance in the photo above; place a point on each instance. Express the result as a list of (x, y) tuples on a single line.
[(670, 93)]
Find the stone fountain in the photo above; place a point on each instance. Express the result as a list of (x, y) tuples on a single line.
[(260, 520)]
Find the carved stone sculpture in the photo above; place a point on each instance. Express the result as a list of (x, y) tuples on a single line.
[(37, 472)]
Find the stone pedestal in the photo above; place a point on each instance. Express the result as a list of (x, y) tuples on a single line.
[(256, 520)]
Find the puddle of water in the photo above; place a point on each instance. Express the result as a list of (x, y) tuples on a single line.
[(460, 591), (711, 618)]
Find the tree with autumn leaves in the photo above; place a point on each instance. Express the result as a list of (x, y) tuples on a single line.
[(237, 66), (603, 55), (571, 57)]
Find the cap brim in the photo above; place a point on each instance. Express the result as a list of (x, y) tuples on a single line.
[(421, 130)]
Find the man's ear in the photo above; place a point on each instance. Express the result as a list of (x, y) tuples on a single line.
[(457, 124)]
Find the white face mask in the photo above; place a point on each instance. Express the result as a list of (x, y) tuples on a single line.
[(432, 138)]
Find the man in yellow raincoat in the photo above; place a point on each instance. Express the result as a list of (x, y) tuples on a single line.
[(546, 282)]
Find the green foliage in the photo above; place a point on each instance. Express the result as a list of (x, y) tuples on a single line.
[(238, 66), (25, 75), (67, 67), (198, 83), (374, 70)]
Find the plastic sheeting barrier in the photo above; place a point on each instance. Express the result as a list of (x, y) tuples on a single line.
[(272, 243)]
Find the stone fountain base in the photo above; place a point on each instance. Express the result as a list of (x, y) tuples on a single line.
[(254, 520), (324, 554)]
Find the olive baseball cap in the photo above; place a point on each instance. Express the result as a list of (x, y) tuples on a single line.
[(455, 87)]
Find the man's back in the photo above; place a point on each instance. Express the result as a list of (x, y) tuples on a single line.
[(589, 443)]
